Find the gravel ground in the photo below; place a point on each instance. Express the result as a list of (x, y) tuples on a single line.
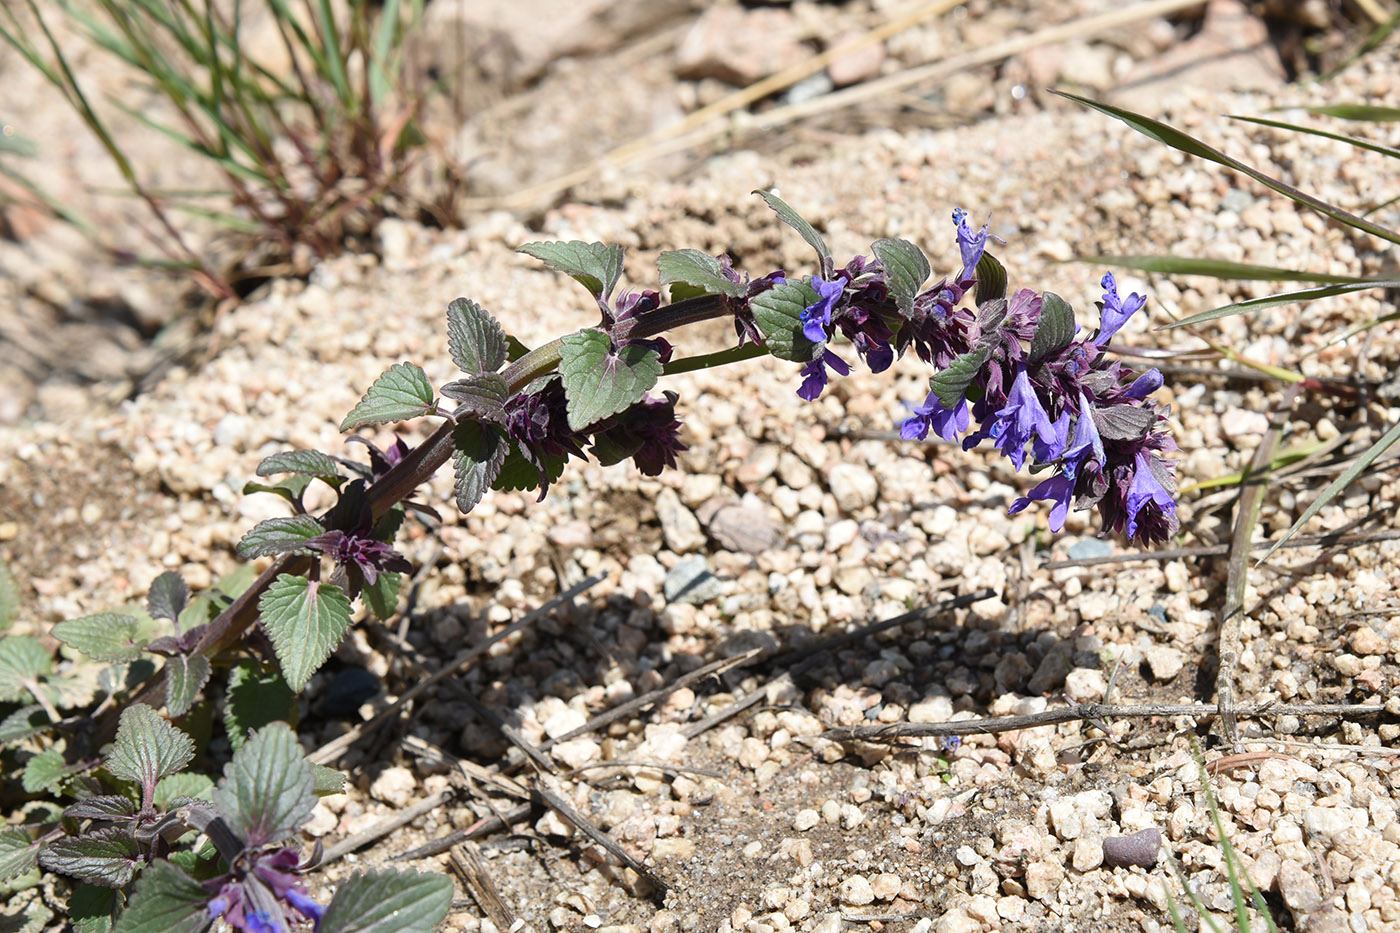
[(759, 823)]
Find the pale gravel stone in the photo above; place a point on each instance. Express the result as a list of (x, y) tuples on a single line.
[(856, 891), (395, 786), (1165, 662), (805, 820)]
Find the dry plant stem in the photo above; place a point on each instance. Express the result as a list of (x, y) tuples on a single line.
[(386, 826), (470, 868), (1086, 712), (492, 824), (1237, 580), (1328, 540), (558, 804)]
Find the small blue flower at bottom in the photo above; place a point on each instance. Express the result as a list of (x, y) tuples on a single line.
[(814, 375), (1021, 418), (1143, 491), (947, 423)]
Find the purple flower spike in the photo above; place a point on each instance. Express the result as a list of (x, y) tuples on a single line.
[(1044, 451), (1022, 418), (1086, 438), (971, 244), (1116, 311), (1144, 491), (814, 374), (816, 317), (1145, 385), (947, 423)]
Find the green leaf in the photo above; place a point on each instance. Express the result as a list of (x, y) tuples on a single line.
[(147, 748), (950, 385), (328, 780), (311, 463), (906, 269), (402, 392), (519, 474), (386, 901), (778, 314), (514, 349), (794, 220), (92, 909), (1363, 462), (1217, 269), (22, 723), (166, 901), (9, 597), (254, 699), (1169, 135), (382, 596), (1369, 112), (45, 770), (1314, 131), (168, 596), (1055, 331), (290, 488), (482, 397), (305, 621), (102, 807), (474, 338), (478, 451), (18, 853), (278, 535), (108, 857), (595, 266), (991, 279), (697, 269), (106, 636), (185, 785), (600, 381), (185, 676), (22, 659), (267, 790), (1273, 301)]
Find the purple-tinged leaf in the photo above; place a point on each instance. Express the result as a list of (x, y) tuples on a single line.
[(601, 380), (778, 314), (991, 279), (166, 901), (474, 338), (22, 660), (168, 595), (22, 723), (402, 392), (279, 535), (794, 220), (106, 636), (108, 857), (311, 463), (906, 270), (950, 385), (386, 901), (147, 748), (1123, 422), (990, 316), (254, 699), (306, 621), (1055, 330), (102, 807), (483, 397), (17, 853), (185, 676), (267, 790), (478, 452), (177, 790), (595, 266), (697, 269)]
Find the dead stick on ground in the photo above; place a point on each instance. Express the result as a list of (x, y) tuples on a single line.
[(1085, 712), (492, 824), (333, 749), (1211, 550), (467, 861), (384, 827), (561, 806)]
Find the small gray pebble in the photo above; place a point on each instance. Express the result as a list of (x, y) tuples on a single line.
[(691, 581), (1090, 547), (1139, 848)]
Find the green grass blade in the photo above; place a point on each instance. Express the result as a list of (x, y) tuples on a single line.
[(335, 63), (1217, 269), (1176, 139), (1273, 301), (1314, 131), (1376, 37), (226, 162), (57, 207), (1370, 113), (1341, 482)]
